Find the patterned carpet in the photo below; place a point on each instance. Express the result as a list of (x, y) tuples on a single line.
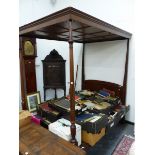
[(124, 145), (108, 143)]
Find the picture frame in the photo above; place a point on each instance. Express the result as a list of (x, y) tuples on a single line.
[(33, 100)]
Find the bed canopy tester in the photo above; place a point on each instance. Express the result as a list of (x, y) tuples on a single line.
[(72, 25)]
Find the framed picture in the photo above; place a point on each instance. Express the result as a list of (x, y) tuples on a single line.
[(33, 100)]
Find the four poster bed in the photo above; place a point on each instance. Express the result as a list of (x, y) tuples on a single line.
[(72, 25)]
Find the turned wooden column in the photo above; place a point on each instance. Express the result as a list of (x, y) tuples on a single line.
[(72, 89)]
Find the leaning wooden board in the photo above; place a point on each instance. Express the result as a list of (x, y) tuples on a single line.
[(36, 140)]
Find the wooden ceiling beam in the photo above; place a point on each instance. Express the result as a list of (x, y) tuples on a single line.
[(40, 24), (59, 19)]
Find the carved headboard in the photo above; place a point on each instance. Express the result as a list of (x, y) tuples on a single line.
[(95, 85)]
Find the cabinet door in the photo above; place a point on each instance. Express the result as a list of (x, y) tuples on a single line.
[(30, 75), (54, 74)]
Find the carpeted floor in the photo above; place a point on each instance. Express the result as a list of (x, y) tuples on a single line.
[(108, 143), (124, 145)]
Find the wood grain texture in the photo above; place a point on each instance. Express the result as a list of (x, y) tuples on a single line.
[(54, 72), (27, 70), (36, 140), (72, 88), (30, 75), (86, 28)]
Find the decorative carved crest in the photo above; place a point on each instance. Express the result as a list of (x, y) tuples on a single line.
[(54, 56)]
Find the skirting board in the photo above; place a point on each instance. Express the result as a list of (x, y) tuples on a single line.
[(132, 123)]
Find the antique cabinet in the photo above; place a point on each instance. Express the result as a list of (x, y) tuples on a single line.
[(54, 75)]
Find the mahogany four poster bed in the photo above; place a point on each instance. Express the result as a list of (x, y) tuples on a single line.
[(72, 25)]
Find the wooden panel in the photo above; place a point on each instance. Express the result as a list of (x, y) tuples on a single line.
[(30, 75), (80, 32), (54, 74), (37, 140), (57, 24)]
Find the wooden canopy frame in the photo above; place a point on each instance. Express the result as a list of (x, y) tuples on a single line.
[(72, 25)]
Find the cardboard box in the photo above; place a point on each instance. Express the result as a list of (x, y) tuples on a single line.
[(92, 139), (24, 118), (92, 123)]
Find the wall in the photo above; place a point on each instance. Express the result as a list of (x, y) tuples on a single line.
[(105, 61), (118, 13)]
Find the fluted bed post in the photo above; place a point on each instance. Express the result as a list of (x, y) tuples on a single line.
[(72, 90)]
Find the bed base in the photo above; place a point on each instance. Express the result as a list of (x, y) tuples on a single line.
[(94, 85)]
